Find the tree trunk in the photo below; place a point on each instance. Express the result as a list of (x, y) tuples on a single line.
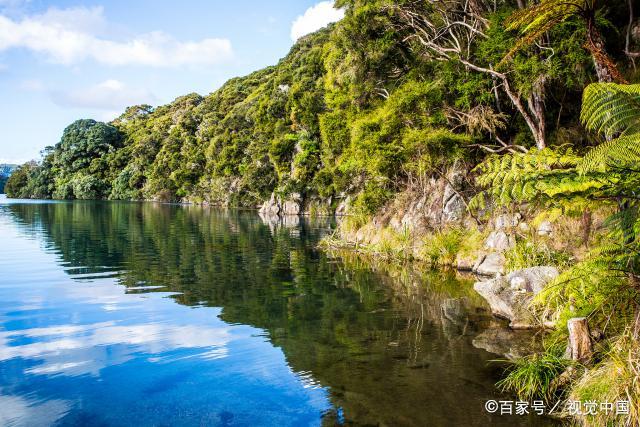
[(579, 347), (605, 66)]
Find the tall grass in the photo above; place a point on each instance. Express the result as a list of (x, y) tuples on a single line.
[(616, 378), (531, 253), (443, 247), (532, 377)]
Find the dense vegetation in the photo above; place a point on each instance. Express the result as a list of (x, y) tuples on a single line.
[(359, 108), (5, 172), (399, 91)]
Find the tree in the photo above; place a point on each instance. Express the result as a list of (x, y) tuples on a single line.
[(16, 186), (450, 31), (538, 19)]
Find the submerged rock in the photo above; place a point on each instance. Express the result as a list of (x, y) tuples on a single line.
[(509, 296), (506, 342)]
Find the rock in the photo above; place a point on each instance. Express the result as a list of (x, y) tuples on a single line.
[(509, 296), (490, 265), (271, 206), (343, 207), (506, 221), (532, 279), (499, 241), (275, 206), (545, 228), (464, 263), (290, 208), (454, 209)]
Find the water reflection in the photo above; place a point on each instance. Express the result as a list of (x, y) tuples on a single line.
[(267, 329)]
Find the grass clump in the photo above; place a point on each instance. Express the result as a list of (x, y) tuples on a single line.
[(532, 377), (393, 244), (531, 253), (444, 246)]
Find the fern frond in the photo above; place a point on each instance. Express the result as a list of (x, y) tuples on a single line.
[(611, 109), (534, 21)]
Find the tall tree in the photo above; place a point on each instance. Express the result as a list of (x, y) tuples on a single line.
[(538, 19), (449, 31)]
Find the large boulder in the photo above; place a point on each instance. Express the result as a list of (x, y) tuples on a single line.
[(509, 296), (292, 206), (490, 264), (276, 206), (271, 206)]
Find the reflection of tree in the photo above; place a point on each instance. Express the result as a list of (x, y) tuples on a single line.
[(378, 340)]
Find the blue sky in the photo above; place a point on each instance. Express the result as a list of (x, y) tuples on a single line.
[(64, 60)]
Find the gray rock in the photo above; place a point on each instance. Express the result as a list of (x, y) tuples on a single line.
[(454, 209), (276, 206), (490, 264), (509, 296), (464, 262), (506, 221), (271, 206), (343, 207), (545, 228), (499, 241), (532, 279)]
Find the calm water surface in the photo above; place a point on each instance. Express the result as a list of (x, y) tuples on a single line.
[(117, 314)]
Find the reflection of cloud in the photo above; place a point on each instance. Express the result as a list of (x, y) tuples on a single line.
[(68, 351), (18, 411)]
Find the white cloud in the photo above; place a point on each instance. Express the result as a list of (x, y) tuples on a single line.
[(111, 95), (69, 36), (315, 18)]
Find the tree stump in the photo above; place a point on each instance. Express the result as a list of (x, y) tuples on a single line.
[(579, 347)]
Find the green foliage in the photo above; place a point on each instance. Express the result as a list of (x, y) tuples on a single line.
[(17, 184), (561, 179)]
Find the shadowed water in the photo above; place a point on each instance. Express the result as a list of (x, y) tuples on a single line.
[(117, 314)]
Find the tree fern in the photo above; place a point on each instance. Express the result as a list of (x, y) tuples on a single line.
[(561, 179)]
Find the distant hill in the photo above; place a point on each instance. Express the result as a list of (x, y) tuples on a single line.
[(5, 172)]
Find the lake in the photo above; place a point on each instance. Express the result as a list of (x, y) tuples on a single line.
[(117, 314)]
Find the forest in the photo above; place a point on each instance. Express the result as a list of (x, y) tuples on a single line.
[(538, 102)]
